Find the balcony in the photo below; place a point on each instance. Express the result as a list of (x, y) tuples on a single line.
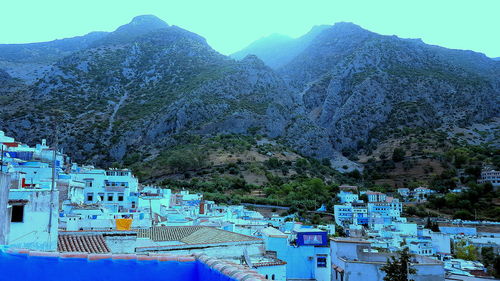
[(110, 188)]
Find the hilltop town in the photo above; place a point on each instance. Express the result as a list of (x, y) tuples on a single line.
[(49, 204)]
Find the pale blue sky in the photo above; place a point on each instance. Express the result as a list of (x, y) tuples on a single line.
[(229, 25)]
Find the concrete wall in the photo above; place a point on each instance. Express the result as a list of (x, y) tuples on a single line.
[(221, 252), (278, 271), (33, 232), (441, 242), (301, 261), (355, 271), (4, 211), (121, 244)]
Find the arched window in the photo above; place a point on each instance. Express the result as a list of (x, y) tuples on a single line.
[(272, 277), (267, 277)]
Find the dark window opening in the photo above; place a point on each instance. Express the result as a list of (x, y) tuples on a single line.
[(110, 197), (321, 262), (90, 197), (17, 213), (120, 197)]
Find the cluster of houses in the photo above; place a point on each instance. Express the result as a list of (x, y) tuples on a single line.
[(48, 203), (377, 221)]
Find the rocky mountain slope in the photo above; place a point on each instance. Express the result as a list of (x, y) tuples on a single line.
[(147, 85), (142, 85), (362, 87)]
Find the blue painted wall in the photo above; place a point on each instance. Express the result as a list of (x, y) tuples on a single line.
[(26, 268)]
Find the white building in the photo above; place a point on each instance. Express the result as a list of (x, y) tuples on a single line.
[(376, 196), (305, 252), (353, 260), (405, 192), (34, 219), (490, 176), (115, 189), (421, 193), (347, 197)]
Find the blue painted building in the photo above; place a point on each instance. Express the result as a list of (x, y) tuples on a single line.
[(305, 250)]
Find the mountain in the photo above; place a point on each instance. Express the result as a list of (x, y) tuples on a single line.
[(29, 61), (149, 86), (141, 86), (362, 87), (277, 50)]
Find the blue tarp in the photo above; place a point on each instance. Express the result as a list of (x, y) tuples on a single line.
[(26, 268)]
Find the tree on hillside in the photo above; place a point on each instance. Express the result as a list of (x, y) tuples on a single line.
[(463, 215), (399, 269), (186, 159), (339, 231), (398, 154), (363, 197), (431, 225), (464, 251)]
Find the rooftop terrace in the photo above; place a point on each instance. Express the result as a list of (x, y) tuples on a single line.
[(53, 266)]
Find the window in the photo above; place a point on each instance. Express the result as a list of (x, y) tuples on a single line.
[(88, 184), (321, 262), (120, 197), (110, 196), (101, 196), (17, 213), (90, 196), (272, 277)]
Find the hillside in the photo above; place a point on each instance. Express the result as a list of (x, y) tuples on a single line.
[(340, 91), (361, 86)]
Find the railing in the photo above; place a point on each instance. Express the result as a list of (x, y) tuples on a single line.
[(115, 188)]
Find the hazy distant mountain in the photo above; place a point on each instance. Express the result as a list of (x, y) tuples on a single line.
[(277, 50), (29, 61), (147, 85), (47, 51)]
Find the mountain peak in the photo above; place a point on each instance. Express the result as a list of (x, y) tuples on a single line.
[(139, 26), (142, 24), (148, 21), (347, 27)]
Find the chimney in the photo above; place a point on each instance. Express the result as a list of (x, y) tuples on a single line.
[(202, 207)]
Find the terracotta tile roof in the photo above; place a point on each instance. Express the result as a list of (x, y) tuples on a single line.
[(94, 244), (167, 233), (208, 235), (193, 235)]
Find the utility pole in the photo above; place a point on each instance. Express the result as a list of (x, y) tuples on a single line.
[(52, 188), (1, 167), (151, 212)]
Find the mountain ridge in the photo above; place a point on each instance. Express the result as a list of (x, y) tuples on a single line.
[(147, 84)]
